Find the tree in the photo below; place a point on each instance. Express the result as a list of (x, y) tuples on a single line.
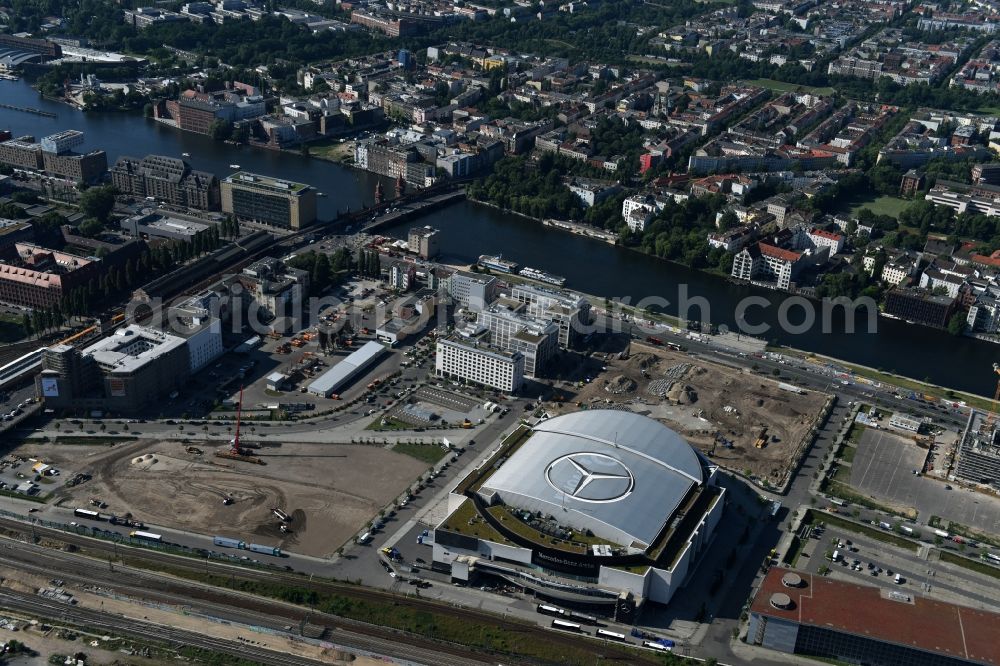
[(956, 325), (220, 129), (98, 202)]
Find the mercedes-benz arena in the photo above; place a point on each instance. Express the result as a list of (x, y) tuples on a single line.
[(582, 508)]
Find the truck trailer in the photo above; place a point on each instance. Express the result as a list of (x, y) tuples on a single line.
[(226, 542), (264, 550)]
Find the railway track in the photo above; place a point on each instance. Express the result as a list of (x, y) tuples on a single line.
[(157, 633), (608, 653), (225, 604)]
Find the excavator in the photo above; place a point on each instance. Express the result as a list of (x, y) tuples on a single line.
[(236, 450)]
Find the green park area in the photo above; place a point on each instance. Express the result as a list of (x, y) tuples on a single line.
[(781, 86), (880, 205)]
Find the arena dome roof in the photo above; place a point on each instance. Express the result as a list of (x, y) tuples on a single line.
[(618, 474)]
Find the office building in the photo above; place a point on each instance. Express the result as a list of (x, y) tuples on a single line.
[(38, 277), (167, 179), (512, 330), (569, 311), (270, 201), (636, 527), (844, 622), (171, 227), (196, 322), (122, 373), (54, 155), (472, 291), (423, 241), (919, 306), (479, 363)]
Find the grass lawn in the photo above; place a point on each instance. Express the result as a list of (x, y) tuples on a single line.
[(969, 563), (847, 455), (883, 205), (771, 84), (429, 453)]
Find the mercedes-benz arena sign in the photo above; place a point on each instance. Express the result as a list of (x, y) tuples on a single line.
[(590, 477)]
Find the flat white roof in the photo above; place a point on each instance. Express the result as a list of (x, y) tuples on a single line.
[(339, 374)]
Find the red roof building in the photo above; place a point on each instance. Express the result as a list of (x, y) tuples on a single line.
[(817, 616)]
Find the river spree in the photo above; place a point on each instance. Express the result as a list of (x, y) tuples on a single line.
[(131, 134), (598, 268), (591, 266)]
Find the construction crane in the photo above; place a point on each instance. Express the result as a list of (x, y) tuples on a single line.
[(236, 450)]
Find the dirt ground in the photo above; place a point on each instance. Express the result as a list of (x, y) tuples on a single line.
[(50, 642), (720, 409), (330, 491)]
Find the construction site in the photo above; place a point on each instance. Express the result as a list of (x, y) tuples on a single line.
[(329, 491), (746, 422)]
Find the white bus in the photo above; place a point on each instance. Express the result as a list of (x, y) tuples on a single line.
[(87, 513), (566, 626), (610, 635), (545, 609), (993, 557), (659, 647), (146, 536)]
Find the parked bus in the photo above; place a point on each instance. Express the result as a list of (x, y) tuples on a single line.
[(566, 626), (653, 645), (993, 557), (88, 514), (582, 617), (550, 610), (610, 635), (146, 536)]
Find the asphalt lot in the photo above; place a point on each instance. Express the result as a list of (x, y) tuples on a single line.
[(883, 468)]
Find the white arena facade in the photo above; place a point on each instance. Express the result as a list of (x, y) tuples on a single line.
[(584, 509)]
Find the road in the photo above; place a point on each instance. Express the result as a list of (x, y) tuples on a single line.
[(364, 565)]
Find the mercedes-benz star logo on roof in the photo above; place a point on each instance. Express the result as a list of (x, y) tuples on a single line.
[(590, 477)]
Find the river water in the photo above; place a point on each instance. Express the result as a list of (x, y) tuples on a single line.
[(591, 266)]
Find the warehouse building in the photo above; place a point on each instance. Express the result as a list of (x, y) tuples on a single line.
[(167, 179), (585, 508), (331, 381), (844, 622)]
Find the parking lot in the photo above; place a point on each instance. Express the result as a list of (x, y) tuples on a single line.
[(883, 469), (917, 575), (32, 476)]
